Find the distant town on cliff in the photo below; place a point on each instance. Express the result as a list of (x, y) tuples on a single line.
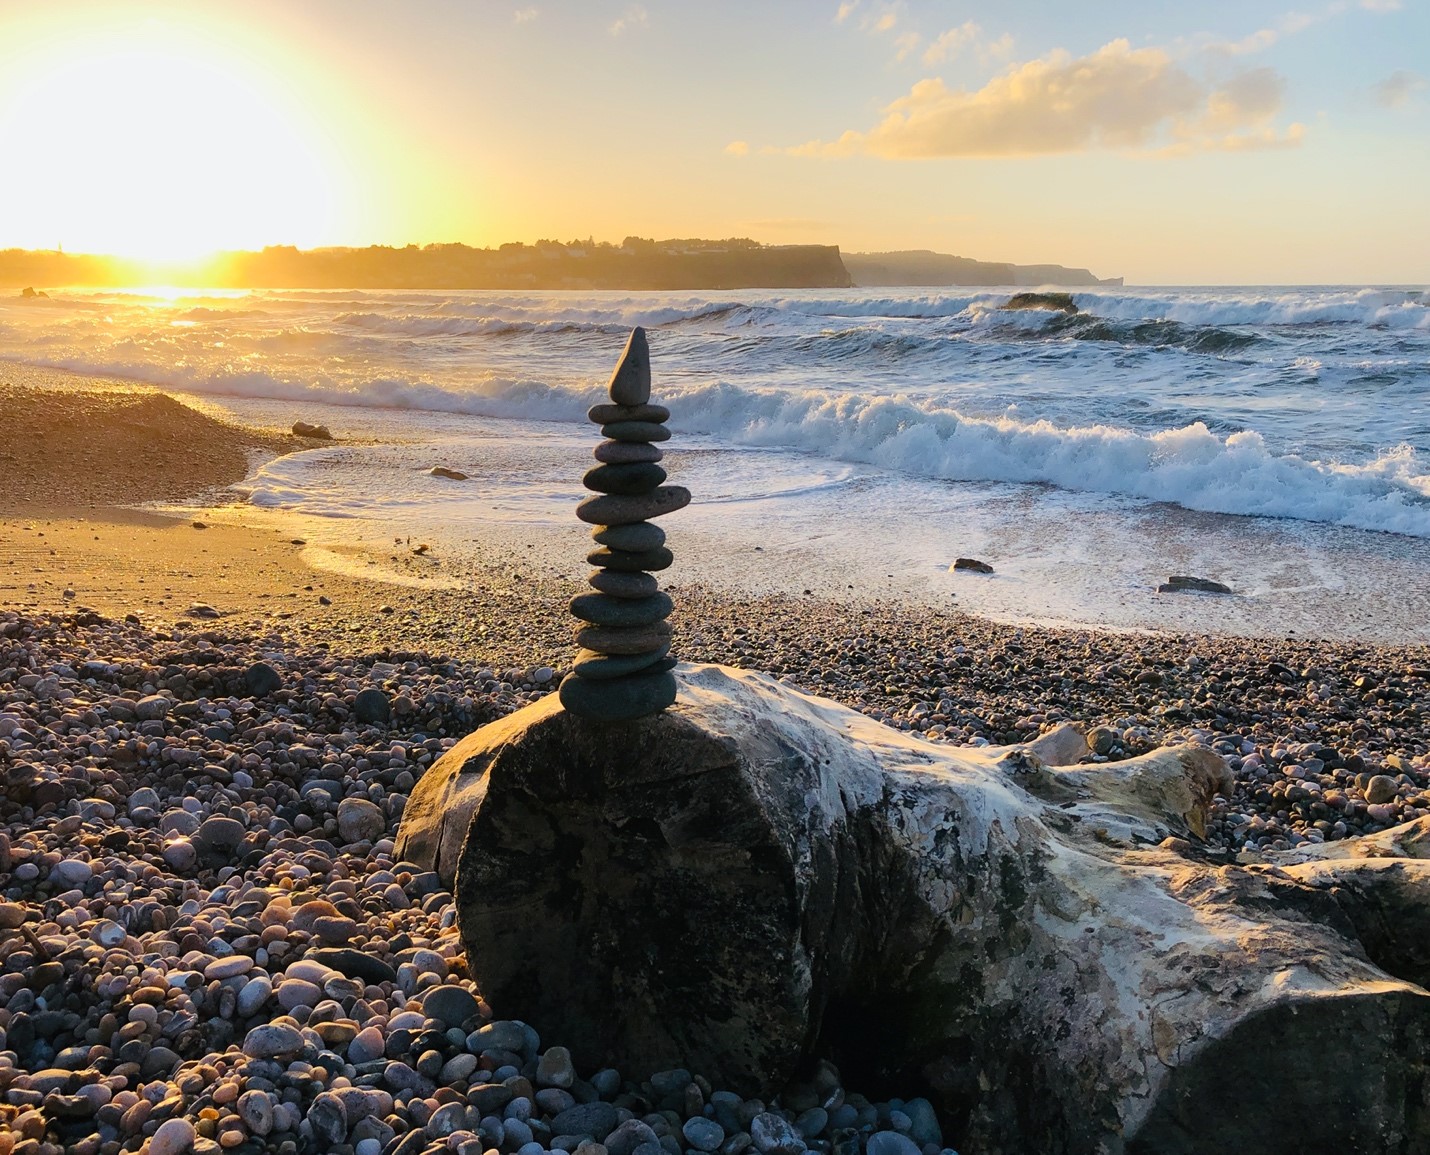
[(635, 263)]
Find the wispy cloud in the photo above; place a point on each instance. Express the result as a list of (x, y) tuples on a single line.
[(738, 148), (845, 11), (525, 15), (948, 44), (907, 44), (1396, 89), (635, 16), (1382, 5), (1117, 97)]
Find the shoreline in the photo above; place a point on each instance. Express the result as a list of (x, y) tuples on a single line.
[(207, 942)]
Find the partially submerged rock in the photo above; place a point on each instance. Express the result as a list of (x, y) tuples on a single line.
[(1181, 584), (316, 432), (1060, 302), (972, 565)]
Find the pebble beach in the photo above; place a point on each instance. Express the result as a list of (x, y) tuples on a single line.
[(206, 941)]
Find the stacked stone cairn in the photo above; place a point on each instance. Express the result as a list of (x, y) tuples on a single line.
[(622, 671)]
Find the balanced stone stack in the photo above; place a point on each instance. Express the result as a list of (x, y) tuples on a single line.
[(622, 671)]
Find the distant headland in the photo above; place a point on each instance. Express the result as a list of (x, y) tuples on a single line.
[(635, 264)]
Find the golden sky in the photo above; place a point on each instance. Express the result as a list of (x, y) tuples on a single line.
[(1191, 143)]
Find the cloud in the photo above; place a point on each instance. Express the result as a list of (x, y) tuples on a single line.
[(947, 44), (634, 16), (1117, 97), (845, 11), (738, 148), (907, 44), (1396, 89), (1381, 5), (525, 15)]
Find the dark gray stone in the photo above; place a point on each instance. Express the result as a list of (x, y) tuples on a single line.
[(638, 536), (631, 561), (355, 964), (628, 1136), (622, 509), (641, 477), (607, 414), (623, 640), (972, 565), (624, 585), (624, 452), (604, 610), (218, 835), (640, 431), (594, 1119), (371, 705), (891, 1143), (590, 664), (451, 1004), (630, 383), (1178, 584), (618, 699), (328, 1117), (261, 679)]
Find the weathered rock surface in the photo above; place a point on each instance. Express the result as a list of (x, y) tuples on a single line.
[(755, 875)]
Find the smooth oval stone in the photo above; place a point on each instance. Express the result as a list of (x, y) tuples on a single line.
[(618, 699), (619, 585), (630, 383), (641, 431), (623, 452), (590, 664), (640, 477), (639, 535), (622, 509), (602, 610), (452, 1005), (624, 639), (631, 561), (605, 414), (355, 964)]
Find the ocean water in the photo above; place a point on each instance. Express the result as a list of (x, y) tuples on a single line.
[(1275, 439)]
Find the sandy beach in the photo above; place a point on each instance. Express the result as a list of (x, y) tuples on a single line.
[(207, 942)]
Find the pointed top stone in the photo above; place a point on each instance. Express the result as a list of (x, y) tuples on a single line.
[(630, 383)]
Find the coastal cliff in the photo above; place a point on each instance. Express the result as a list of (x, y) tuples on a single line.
[(636, 263), (927, 268)]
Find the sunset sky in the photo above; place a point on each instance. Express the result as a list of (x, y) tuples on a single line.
[(1210, 142)]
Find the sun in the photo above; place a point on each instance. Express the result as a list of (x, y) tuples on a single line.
[(162, 144)]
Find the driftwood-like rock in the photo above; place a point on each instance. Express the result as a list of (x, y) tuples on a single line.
[(757, 876)]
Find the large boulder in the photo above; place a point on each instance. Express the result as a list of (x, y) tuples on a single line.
[(756, 876)]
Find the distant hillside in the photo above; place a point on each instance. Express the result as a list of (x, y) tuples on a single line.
[(636, 263), (926, 268)]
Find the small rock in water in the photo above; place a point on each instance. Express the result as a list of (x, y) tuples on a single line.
[(1178, 584), (304, 429), (972, 565), (449, 474)]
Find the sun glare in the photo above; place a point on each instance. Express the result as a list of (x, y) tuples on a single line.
[(161, 145)]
